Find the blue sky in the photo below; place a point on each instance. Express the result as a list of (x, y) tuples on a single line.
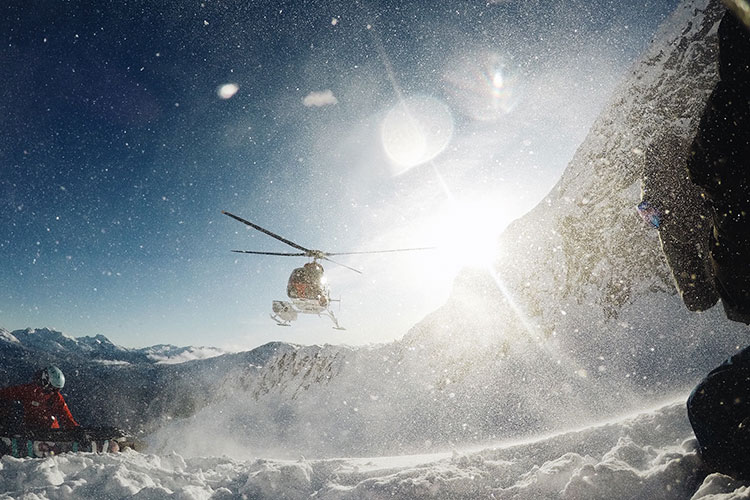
[(346, 126)]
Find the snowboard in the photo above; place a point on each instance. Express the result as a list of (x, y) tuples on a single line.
[(50, 442)]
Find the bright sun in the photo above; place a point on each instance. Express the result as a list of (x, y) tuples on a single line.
[(466, 233)]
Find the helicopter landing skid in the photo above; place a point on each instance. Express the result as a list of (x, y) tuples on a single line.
[(286, 312), (279, 322), (336, 325)]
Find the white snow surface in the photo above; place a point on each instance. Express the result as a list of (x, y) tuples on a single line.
[(648, 455)]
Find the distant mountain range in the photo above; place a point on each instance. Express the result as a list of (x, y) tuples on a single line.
[(135, 389), (100, 348)]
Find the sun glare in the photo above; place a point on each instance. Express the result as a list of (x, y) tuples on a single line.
[(467, 232)]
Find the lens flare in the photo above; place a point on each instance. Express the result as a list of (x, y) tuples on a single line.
[(415, 131), (482, 86)]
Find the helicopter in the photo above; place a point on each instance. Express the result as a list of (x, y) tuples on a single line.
[(307, 288)]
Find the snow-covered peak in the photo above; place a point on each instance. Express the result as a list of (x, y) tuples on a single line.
[(48, 341), (45, 339), (6, 336)]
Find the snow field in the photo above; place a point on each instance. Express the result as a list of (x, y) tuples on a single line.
[(651, 455)]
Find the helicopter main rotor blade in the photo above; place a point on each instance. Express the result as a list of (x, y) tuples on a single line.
[(269, 233), (382, 251), (283, 254), (325, 257)]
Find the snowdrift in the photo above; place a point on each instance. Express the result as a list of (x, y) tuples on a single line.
[(650, 455)]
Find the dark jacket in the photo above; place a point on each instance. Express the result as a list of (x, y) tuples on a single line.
[(42, 409), (719, 163)]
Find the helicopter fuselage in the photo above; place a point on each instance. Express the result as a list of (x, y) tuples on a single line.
[(308, 294)]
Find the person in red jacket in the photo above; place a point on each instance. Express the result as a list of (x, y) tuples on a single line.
[(43, 405)]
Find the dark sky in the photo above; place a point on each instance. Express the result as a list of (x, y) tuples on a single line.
[(117, 155)]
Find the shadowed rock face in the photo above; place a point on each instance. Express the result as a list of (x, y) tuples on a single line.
[(685, 228)]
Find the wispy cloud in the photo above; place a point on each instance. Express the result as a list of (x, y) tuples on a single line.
[(319, 99)]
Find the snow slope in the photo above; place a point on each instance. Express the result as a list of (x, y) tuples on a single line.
[(650, 455)]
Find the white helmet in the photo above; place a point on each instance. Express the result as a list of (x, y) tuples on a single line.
[(52, 378)]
